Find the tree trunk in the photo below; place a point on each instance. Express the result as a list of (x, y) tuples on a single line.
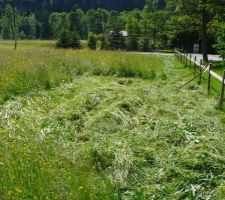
[(204, 32), (14, 26)]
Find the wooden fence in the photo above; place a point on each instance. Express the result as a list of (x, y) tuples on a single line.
[(199, 70)]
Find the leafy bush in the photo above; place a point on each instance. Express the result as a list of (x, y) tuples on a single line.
[(219, 65), (92, 41), (145, 44), (116, 41), (132, 43), (103, 41)]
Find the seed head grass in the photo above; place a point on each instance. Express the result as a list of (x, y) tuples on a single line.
[(42, 67)]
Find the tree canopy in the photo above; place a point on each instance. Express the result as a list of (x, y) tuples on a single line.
[(150, 24)]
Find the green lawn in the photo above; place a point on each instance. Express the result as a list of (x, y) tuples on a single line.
[(106, 125)]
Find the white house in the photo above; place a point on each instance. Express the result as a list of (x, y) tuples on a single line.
[(123, 33)]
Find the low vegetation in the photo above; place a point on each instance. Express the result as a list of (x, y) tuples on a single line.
[(106, 125), (43, 68)]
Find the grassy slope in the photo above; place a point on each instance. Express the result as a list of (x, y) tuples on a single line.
[(101, 137)]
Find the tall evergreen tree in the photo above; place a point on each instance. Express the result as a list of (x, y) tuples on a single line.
[(76, 18), (68, 39)]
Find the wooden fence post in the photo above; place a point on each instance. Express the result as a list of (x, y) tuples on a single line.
[(190, 60), (195, 66), (209, 79), (200, 75), (222, 91), (186, 59)]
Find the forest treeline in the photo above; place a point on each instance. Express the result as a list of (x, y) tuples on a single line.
[(67, 5), (158, 25)]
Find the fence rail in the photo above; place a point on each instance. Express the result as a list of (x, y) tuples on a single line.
[(188, 59)]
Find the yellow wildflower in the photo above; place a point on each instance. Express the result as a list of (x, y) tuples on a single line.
[(81, 187), (18, 190)]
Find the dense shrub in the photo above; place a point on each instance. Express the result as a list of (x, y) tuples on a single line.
[(219, 31), (103, 41), (116, 41), (219, 65), (144, 44), (68, 39), (132, 43), (92, 41)]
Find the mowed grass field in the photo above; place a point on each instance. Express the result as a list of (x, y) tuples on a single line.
[(105, 125)]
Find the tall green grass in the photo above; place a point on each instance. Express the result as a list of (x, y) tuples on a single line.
[(40, 67)]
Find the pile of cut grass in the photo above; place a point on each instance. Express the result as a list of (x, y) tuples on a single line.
[(123, 139)]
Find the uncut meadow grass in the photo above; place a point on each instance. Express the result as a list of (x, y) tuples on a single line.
[(43, 67)]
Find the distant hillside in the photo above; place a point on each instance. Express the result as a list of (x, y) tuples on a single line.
[(67, 5)]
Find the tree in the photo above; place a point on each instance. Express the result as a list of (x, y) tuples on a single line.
[(77, 19), (10, 13), (116, 22), (154, 23), (97, 20), (182, 32), (6, 29), (45, 31), (145, 44), (92, 41), (151, 5), (122, 42), (64, 39), (219, 31), (75, 39), (27, 26), (133, 30), (45, 28), (68, 39), (103, 41), (200, 9), (146, 26), (57, 22), (114, 40)]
